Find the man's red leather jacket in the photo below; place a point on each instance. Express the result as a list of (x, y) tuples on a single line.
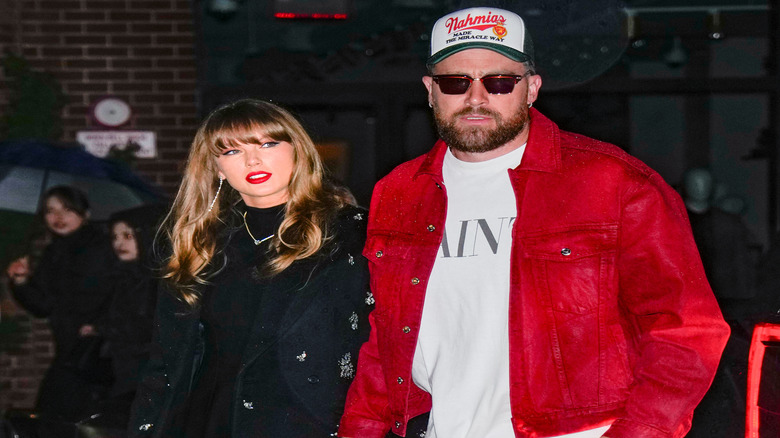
[(611, 318)]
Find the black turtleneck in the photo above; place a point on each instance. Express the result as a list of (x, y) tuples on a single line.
[(229, 308)]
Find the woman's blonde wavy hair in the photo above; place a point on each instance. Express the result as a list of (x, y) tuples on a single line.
[(192, 229)]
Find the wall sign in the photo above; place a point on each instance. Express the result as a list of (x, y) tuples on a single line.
[(98, 143), (111, 112)]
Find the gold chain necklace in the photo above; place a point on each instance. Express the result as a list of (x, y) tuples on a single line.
[(257, 241)]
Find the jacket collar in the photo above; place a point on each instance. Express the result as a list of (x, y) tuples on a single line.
[(543, 152)]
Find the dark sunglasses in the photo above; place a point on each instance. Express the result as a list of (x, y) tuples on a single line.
[(494, 84)]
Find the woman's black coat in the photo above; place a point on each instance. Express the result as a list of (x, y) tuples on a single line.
[(127, 323), (69, 288), (312, 357)]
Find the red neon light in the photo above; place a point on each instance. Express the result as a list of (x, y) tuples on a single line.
[(314, 16), (762, 332)]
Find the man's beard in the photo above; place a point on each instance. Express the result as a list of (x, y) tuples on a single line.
[(480, 139)]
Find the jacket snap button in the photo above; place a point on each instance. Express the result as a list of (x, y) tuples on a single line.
[(431, 228), (566, 251), (248, 405), (379, 254), (415, 280), (406, 329), (400, 380), (313, 379), (397, 424)]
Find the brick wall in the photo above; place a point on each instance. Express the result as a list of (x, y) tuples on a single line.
[(140, 50), (24, 358), (8, 33)]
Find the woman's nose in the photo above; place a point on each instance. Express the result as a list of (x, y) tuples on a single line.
[(253, 158)]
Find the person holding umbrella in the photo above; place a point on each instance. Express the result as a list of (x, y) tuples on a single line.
[(68, 288)]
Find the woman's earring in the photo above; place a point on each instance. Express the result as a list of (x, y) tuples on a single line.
[(217, 194), (530, 105)]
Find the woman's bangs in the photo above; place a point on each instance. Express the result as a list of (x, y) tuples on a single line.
[(231, 137), (245, 135), (274, 130)]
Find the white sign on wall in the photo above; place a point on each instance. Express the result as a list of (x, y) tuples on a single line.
[(98, 143)]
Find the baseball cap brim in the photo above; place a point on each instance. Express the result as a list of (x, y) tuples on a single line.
[(509, 52)]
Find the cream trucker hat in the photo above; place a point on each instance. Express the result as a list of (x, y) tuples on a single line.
[(487, 28)]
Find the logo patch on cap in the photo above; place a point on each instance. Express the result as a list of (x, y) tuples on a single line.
[(500, 31)]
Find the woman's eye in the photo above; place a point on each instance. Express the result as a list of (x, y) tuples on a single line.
[(269, 144), (230, 152)]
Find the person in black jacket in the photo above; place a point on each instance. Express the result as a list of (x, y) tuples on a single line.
[(68, 287), (126, 326), (265, 297)]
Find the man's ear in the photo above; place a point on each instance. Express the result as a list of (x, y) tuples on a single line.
[(534, 84), (428, 81)]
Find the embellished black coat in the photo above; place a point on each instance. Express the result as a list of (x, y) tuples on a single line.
[(311, 356)]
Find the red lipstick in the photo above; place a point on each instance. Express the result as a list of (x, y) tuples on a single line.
[(258, 177)]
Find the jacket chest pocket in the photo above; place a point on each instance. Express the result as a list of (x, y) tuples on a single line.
[(572, 269), (388, 256)]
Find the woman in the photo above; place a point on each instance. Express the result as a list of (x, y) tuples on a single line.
[(68, 287), (127, 323), (267, 296)]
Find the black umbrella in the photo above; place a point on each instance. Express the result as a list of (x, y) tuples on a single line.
[(28, 168)]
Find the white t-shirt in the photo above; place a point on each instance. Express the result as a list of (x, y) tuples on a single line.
[(462, 354)]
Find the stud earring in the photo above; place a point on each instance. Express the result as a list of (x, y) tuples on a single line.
[(217, 194)]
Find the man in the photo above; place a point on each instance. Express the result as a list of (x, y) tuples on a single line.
[(529, 282)]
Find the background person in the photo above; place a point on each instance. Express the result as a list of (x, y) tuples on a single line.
[(69, 288), (725, 245), (730, 262), (127, 323), (529, 282), (266, 292)]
